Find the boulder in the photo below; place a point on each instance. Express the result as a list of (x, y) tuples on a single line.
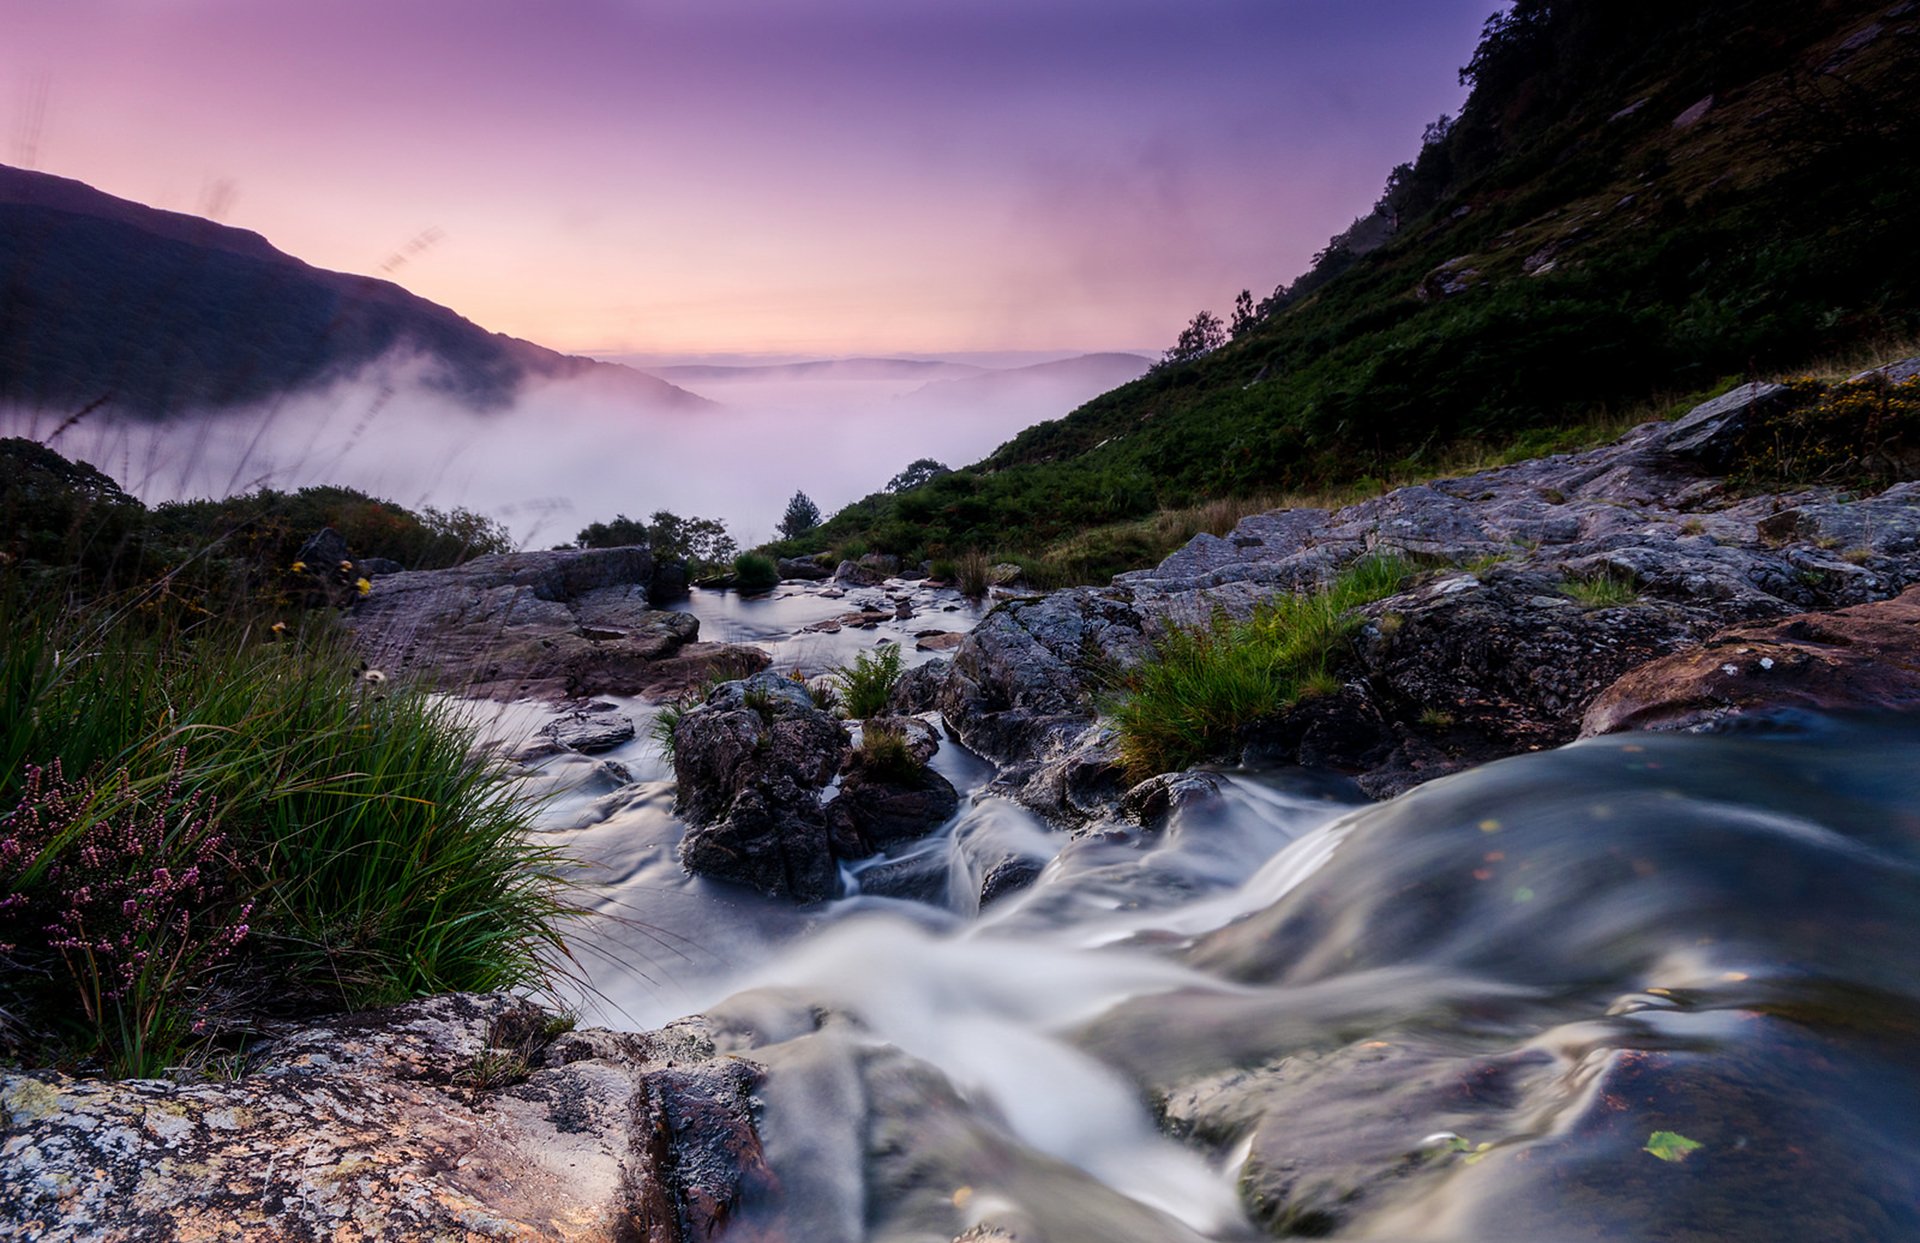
[(324, 551), (559, 624), (1864, 658), (459, 1116), (853, 574), (805, 568), (751, 764), (877, 810), (591, 729), (374, 567)]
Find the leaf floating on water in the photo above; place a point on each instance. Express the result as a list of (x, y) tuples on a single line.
[(1489, 826), (1671, 1145)]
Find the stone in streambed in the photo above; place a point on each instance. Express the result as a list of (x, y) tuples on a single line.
[(591, 729)]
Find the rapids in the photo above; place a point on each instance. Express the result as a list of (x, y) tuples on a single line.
[(1501, 1006)]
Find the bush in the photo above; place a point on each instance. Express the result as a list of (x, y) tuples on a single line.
[(1205, 684), (382, 858), (754, 571), (868, 682), (885, 755)]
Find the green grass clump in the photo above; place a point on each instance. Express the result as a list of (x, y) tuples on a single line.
[(868, 682), (1602, 589), (754, 571), (381, 858), (973, 573), (1207, 683), (884, 754)]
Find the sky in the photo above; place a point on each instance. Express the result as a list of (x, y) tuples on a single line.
[(678, 179)]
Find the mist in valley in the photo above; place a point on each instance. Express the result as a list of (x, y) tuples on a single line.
[(573, 451)]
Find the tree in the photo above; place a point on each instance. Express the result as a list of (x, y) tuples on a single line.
[(1244, 316), (616, 534), (1203, 336), (702, 541), (922, 470), (802, 516)]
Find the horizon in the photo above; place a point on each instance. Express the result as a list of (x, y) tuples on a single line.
[(1064, 182)]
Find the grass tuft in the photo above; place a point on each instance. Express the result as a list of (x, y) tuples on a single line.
[(868, 682), (1205, 684), (1601, 589)]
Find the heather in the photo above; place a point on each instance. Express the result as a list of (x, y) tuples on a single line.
[(205, 827)]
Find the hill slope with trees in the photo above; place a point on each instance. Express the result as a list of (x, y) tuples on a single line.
[(1638, 202)]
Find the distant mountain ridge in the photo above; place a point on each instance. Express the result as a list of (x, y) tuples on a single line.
[(160, 313), (1097, 372), (878, 369)]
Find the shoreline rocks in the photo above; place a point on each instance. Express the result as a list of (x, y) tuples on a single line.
[(460, 1116), (549, 625)]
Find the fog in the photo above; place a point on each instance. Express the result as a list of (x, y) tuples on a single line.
[(572, 452)]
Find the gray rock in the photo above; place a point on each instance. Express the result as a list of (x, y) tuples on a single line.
[(324, 551), (751, 764), (451, 1117), (1710, 432), (592, 729), (543, 624), (804, 568)]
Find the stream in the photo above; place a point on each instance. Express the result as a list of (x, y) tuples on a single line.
[(1661, 987)]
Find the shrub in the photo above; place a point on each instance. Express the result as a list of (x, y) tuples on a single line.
[(754, 571), (1205, 684), (975, 574), (868, 682), (384, 860)]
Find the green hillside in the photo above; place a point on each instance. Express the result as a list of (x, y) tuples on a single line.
[(1637, 201)]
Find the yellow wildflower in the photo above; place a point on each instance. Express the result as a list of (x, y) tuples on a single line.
[(299, 567), (363, 585)]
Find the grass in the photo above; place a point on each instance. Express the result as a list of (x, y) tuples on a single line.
[(973, 573), (867, 684), (754, 571), (382, 860), (1206, 684), (1602, 589), (884, 754)]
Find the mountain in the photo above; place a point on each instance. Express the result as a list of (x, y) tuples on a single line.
[(1640, 200), (831, 369), (1085, 376), (103, 300)]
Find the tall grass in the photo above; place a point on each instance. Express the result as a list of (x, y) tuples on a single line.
[(1205, 684), (383, 859)]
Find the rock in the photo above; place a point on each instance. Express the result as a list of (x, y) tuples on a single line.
[(880, 565), (1864, 658), (877, 810), (689, 668), (1455, 276), (459, 1116), (1024, 679), (324, 551), (543, 624), (805, 568), (853, 574), (1002, 573), (592, 729), (751, 763), (1710, 434), (374, 567), (942, 641), (918, 689), (918, 877), (1152, 801)]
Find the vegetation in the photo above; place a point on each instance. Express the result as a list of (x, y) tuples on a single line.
[(1602, 589), (201, 827), (972, 573), (1205, 684), (1560, 254), (754, 571), (802, 516), (1864, 435), (918, 471), (885, 755), (703, 543), (868, 682)]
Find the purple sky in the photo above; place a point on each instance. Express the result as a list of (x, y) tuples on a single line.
[(755, 176)]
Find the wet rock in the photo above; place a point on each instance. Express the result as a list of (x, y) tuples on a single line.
[(804, 568), (876, 810), (591, 729), (751, 765), (940, 641), (1025, 676), (853, 574), (455, 1117), (1008, 876), (1152, 801), (918, 689), (918, 877), (540, 624), (689, 668), (1864, 658), (1080, 778)]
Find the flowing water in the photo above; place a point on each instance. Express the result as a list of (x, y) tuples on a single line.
[(1644, 987)]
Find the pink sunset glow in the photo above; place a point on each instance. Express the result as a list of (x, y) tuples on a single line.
[(744, 176)]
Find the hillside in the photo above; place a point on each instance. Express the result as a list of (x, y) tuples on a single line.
[(159, 313), (1638, 201)]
